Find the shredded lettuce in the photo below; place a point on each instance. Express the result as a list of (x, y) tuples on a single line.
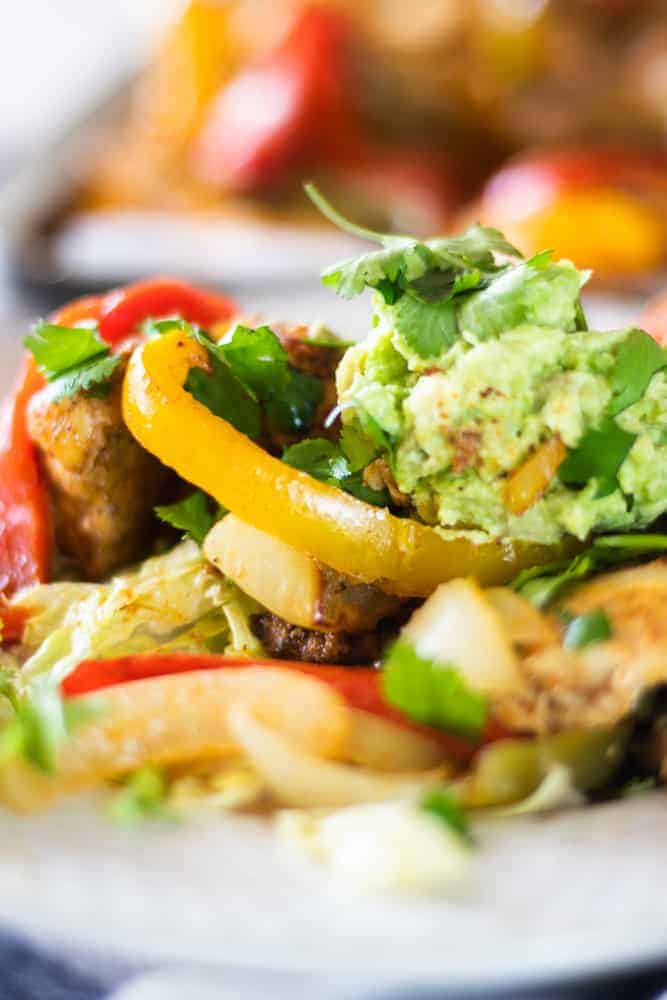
[(175, 602)]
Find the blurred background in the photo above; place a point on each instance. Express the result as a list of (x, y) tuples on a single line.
[(163, 136)]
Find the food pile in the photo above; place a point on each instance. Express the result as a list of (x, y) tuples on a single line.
[(546, 119), (388, 587)]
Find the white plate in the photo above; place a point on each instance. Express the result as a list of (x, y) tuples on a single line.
[(559, 897)]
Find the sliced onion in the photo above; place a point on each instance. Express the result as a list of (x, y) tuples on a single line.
[(458, 625), (182, 717), (384, 746), (302, 780)]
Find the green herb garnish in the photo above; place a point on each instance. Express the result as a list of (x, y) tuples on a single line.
[(543, 584), (325, 460), (431, 271), (584, 630), (432, 693), (73, 359), (41, 722), (602, 451), (252, 376), (444, 804), (142, 797), (192, 515)]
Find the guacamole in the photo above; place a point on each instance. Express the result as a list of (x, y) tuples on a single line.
[(458, 393)]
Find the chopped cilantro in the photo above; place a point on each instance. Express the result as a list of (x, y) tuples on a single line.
[(432, 693), (584, 630), (601, 452), (408, 265), (427, 328), (251, 376), (445, 806), (143, 796), (599, 455), (42, 721), (324, 460), (73, 359), (293, 409), (192, 515), (225, 396), (543, 584), (639, 358)]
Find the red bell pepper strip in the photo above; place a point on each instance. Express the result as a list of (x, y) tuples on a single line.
[(288, 111), (124, 310), (25, 522), (359, 686)]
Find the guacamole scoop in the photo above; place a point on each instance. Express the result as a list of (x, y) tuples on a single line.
[(479, 365)]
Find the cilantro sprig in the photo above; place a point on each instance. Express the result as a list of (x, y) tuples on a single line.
[(143, 796), (602, 450), (326, 461), (445, 806), (430, 271), (192, 515), (73, 359), (544, 584), (432, 693), (587, 629), (251, 379), (41, 722)]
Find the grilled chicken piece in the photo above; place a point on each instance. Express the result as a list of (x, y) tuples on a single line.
[(291, 642), (103, 485), (602, 683)]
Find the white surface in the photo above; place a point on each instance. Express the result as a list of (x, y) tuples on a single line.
[(553, 897), (559, 896), (56, 55)]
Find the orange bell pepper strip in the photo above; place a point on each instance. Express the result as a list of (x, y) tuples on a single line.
[(401, 555), (531, 480)]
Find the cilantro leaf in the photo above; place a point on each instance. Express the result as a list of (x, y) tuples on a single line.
[(57, 349), (445, 806), (601, 452), (143, 796), (253, 365), (257, 358), (192, 515), (225, 396), (536, 291), (599, 455), (73, 359), (432, 693), (325, 461), (584, 630), (92, 378), (639, 358), (42, 721), (543, 584), (294, 409), (404, 261), (426, 328)]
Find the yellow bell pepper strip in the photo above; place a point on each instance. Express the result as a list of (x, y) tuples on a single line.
[(401, 555), (530, 481)]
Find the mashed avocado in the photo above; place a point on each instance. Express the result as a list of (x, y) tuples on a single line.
[(458, 395)]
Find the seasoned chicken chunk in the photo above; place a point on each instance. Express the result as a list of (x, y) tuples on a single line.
[(601, 683), (103, 484)]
